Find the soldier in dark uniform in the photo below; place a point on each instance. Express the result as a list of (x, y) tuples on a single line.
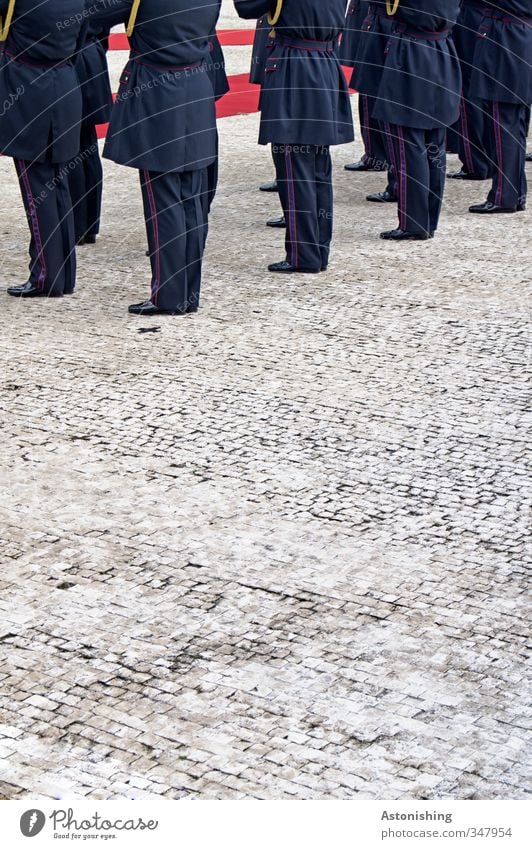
[(366, 78), (419, 97), (502, 80), (40, 131), (375, 154), (164, 124), (305, 108), (86, 174), (471, 123)]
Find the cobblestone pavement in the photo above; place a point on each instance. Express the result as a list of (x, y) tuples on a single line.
[(276, 549)]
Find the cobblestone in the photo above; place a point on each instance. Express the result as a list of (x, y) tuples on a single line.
[(276, 550)]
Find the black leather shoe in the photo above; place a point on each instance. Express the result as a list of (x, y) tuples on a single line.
[(285, 267), (30, 290), (463, 175), (147, 308), (382, 197), (489, 208), (363, 165), (80, 241), (269, 187), (528, 156), (90, 239), (403, 235), (277, 222)]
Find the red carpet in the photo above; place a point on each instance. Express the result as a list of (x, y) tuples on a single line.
[(228, 38)]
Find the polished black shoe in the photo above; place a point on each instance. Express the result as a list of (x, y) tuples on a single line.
[(403, 236), (363, 165), (382, 197), (463, 175), (90, 239), (277, 222), (148, 308), (30, 290), (269, 187), (80, 241), (528, 156), (489, 208), (285, 267)]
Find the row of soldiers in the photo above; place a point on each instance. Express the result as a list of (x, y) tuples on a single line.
[(55, 88)]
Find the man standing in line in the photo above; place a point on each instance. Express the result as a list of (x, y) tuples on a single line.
[(419, 97), (163, 123), (40, 131), (502, 80), (305, 108)]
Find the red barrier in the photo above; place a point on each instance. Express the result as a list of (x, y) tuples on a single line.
[(228, 38)]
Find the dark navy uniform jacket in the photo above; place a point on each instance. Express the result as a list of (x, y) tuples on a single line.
[(465, 35), (421, 80), (356, 13), (304, 99), (502, 64), (164, 116), (40, 98), (371, 50), (91, 68)]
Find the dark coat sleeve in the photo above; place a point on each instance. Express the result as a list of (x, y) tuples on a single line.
[(250, 9)]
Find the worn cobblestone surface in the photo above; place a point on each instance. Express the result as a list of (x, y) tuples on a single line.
[(277, 549)]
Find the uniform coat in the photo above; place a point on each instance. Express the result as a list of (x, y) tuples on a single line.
[(40, 129), (356, 13), (164, 117), (261, 46)]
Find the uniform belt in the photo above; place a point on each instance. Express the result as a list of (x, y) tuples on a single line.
[(504, 18), (16, 56), (304, 43), (139, 59), (421, 35)]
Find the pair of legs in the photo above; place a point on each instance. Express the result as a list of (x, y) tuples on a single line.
[(86, 181), (304, 177), (472, 139), (46, 196), (419, 163), (176, 220), (506, 142)]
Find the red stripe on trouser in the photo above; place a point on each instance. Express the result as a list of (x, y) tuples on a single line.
[(292, 212), (465, 137), (403, 186), (498, 147), (34, 221), (366, 132), (153, 209)]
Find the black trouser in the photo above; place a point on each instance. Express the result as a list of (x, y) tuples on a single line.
[(175, 225), (304, 174), (46, 197), (86, 180), (419, 158), (472, 149), (506, 140), (375, 149)]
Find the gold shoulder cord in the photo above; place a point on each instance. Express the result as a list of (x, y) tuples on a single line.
[(4, 27), (392, 7), (132, 18), (272, 19)]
